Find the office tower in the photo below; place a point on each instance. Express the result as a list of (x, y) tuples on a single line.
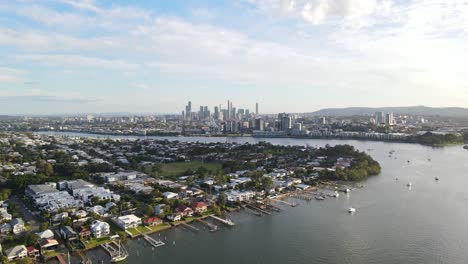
[(228, 116), (188, 111), (259, 124), (285, 121), (216, 113), (379, 118), (256, 108), (389, 120)]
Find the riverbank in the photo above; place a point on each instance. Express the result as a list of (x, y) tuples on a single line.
[(406, 140)]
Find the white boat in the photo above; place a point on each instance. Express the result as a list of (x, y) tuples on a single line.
[(319, 198), (336, 194), (121, 256), (351, 210), (347, 190), (409, 184)]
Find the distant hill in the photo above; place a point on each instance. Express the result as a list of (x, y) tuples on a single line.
[(410, 110)]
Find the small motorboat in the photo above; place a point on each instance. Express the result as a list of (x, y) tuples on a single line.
[(347, 190), (409, 184), (320, 198), (436, 178), (336, 195), (351, 210)]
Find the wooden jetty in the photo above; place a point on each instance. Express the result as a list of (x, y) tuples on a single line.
[(153, 242), (258, 209), (212, 227), (284, 202), (251, 211), (191, 227), (224, 221), (274, 208)]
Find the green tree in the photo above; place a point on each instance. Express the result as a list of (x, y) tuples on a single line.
[(148, 210), (222, 199)]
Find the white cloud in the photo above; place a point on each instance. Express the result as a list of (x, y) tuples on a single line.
[(77, 61), (9, 75)]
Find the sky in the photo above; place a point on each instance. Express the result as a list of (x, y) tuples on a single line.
[(152, 56)]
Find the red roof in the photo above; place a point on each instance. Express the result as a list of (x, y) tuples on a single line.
[(31, 249), (199, 205), (152, 220)]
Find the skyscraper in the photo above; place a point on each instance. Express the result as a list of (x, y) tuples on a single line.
[(379, 118), (256, 108)]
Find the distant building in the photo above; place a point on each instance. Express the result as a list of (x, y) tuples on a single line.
[(128, 221)]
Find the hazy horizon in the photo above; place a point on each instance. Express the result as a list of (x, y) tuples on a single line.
[(97, 56)]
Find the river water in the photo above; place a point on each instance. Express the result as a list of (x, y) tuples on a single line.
[(425, 224)]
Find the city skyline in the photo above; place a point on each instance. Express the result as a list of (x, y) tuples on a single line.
[(96, 56)]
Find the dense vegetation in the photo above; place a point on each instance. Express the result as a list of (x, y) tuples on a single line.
[(362, 165), (432, 139)]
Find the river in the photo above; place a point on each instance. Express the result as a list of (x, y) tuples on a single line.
[(393, 223)]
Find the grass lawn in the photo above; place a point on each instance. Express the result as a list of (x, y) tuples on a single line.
[(179, 168), (94, 242), (159, 227)]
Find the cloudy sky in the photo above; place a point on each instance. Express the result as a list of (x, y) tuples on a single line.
[(66, 56)]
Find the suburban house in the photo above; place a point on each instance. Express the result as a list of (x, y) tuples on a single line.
[(128, 221), (17, 225), (170, 195), (199, 207), (100, 229), (67, 233), (184, 210), (5, 228), (33, 252), (46, 234), (83, 233), (152, 221), (4, 215), (49, 244), (16, 252), (159, 209), (175, 217)]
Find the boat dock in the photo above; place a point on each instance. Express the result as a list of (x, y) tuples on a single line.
[(153, 242), (274, 208), (113, 250), (284, 202), (251, 211), (191, 227), (224, 221), (258, 209), (212, 227)]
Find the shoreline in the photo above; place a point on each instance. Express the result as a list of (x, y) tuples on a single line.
[(246, 136), (289, 195)]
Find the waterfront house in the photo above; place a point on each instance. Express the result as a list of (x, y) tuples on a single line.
[(184, 210), (17, 226), (128, 221), (16, 252), (152, 221), (67, 233), (33, 252), (97, 209), (175, 217), (49, 244), (100, 229), (199, 207)]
